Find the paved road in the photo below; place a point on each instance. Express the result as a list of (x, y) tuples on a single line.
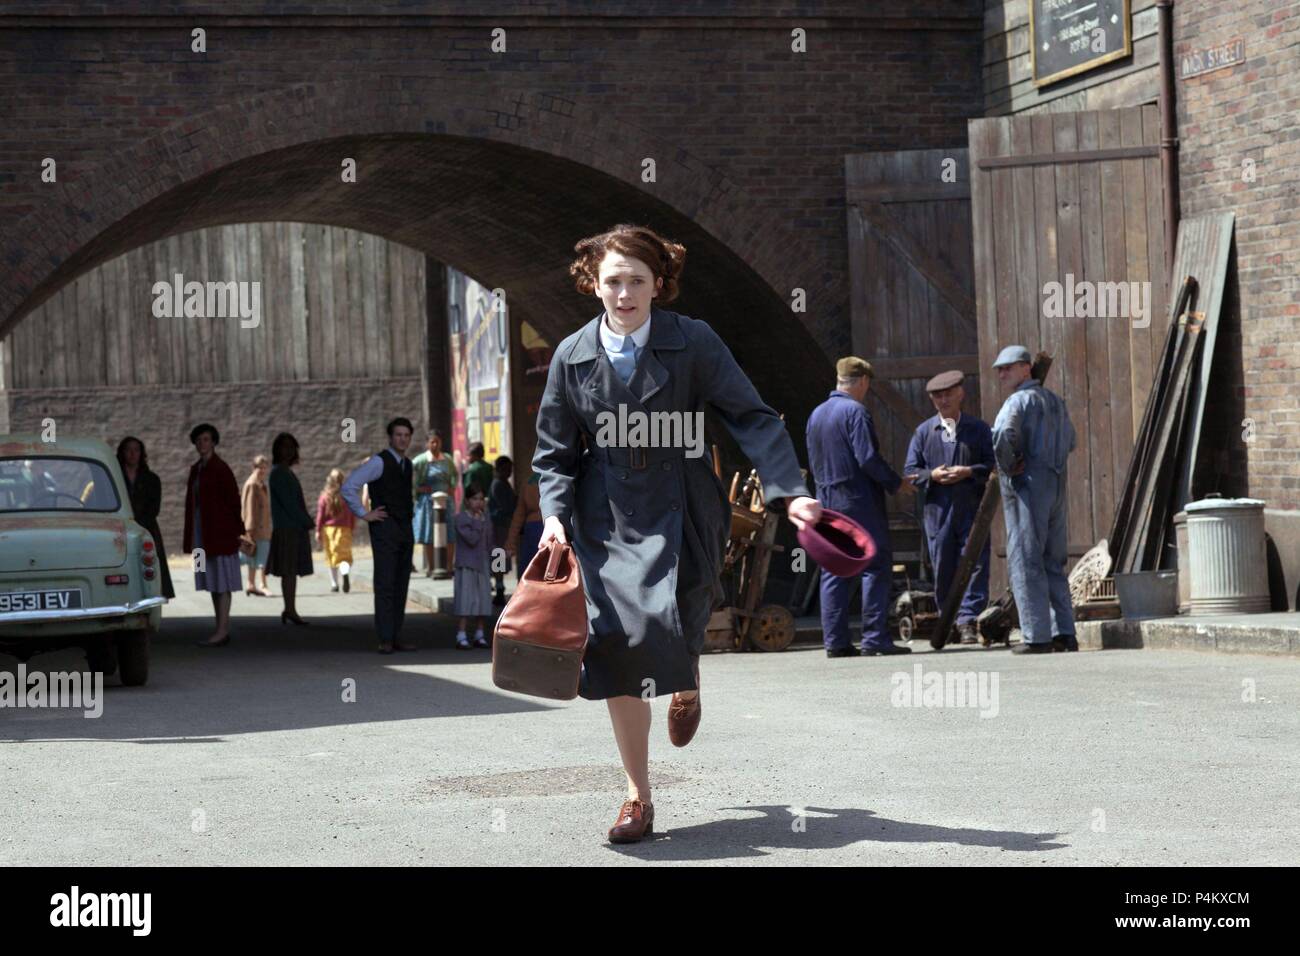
[(249, 755)]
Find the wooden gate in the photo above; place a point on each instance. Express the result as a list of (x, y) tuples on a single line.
[(912, 284), (1074, 198)]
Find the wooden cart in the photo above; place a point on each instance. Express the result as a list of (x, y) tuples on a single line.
[(744, 625)]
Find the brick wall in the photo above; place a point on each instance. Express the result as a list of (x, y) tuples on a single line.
[(247, 415), (1251, 112), (749, 137)]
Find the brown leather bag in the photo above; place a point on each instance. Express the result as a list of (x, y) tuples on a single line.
[(541, 634)]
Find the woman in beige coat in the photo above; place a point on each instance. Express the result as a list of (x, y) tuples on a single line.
[(256, 509)]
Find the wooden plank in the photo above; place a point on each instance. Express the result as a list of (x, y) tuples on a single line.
[(248, 259), (1073, 355), (343, 316), (56, 327), (925, 366), (146, 346), (1099, 460), (90, 355), (282, 297), (312, 236), (296, 290), (1025, 331), (1218, 229), (383, 306), (981, 135), (948, 285), (226, 241), (21, 370), (909, 414), (111, 330), (1065, 157), (163, 365), (327, 319), (1003, 254), (886, 193), (861, 332), (376, 342), (281, 311), (7, 371), (1050, 331), (398, 313), (360, 348), (1119, 366), (207, 268), (1138, 268)]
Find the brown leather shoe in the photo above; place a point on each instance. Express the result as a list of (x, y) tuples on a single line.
[(683, 720), (636, 821)]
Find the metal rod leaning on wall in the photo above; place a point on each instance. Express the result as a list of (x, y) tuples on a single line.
[(979, 533)]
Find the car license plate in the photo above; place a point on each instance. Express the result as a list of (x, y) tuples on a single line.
[(61, 599)]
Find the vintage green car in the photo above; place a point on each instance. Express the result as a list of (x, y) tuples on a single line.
[(75, 568)]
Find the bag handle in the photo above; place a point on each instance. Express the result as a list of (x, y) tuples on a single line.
[(553, 565)]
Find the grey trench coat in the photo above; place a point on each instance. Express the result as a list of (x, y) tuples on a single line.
[(649, 525)]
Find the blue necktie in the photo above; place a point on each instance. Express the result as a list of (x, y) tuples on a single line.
[(624, 360)]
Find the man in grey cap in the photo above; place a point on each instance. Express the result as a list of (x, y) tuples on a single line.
[(950, 458), (1032, 438)]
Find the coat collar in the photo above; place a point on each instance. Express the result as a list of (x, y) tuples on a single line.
[(665, 333), (603, 385)]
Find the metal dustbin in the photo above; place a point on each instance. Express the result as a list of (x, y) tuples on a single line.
[(1229, 569), (1184, 563), (1147, 594)]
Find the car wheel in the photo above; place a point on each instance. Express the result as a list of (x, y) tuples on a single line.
[(133, 657), (101, 657)]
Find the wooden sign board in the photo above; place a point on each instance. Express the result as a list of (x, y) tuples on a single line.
[(1067, 37)]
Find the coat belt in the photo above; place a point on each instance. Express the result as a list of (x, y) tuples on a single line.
[(638, 459)]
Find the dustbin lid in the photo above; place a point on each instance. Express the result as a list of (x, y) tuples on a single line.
[(1224, 504)]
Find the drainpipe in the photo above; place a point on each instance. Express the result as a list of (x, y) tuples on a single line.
[(1168, 132)]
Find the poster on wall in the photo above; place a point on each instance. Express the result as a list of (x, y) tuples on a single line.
[(479, 325), (1068, 37)]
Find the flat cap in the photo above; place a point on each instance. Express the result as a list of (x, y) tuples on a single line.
[(854, 367), (1013, 354), (944, 381)]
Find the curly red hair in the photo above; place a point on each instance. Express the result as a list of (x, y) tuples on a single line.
[(664, 257)]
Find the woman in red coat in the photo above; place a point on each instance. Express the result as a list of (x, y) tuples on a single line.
[(213, 524)]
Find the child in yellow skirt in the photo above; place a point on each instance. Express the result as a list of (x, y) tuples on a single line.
[(334, 523)]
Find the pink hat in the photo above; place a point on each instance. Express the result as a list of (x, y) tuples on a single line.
[(838, 544)]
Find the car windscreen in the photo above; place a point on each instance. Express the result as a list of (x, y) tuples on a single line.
[(56, 484)]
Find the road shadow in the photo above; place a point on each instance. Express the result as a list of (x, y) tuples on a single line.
[(270, 677), (822, 829)]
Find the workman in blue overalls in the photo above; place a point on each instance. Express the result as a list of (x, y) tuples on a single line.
[(1032, 438), (852, 478)]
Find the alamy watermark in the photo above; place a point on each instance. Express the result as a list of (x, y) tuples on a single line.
[(949, 689), (65, 689), (637, 429), (208, 300), (1100, 300)]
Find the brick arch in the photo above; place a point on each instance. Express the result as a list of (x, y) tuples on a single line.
[(97, 217)]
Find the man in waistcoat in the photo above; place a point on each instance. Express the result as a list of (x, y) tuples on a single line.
[(392, 542)]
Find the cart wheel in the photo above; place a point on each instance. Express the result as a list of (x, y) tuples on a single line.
[(771, 628), (905, 629)]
